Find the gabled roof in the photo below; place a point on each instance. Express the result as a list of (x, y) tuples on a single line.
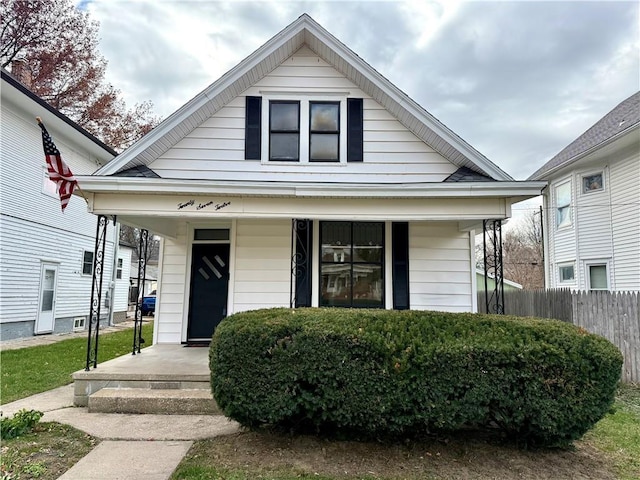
[(38, 107), (621, 119), (304, 31)]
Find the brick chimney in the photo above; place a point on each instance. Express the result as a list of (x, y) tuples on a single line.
[(20, 69)]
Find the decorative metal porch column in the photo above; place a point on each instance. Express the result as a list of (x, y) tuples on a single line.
[(142, 269), (300, 288), (96, 292), (492, 244)]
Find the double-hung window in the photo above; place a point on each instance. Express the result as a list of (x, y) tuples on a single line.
[(563, 205), (284, 130), (87, 262), (324, 131), (319, 128)]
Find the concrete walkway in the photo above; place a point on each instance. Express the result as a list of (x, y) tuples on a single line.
[(49, 338), (132, 446)]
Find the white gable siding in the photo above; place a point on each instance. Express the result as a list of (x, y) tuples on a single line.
[(440, 267), (215, 150), (34, 230), (625, 216), (262, 264)]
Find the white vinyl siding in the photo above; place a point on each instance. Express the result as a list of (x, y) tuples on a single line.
[(625, 221), (24, 246), (439, 267), (262, 264), (33, 228), (593, 227), (606, 224), (215, 149), (172, 302), (121, 292), (562, 241)]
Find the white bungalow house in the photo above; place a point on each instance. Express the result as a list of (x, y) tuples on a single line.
[(592, 206), (46, 256), (303, 177)]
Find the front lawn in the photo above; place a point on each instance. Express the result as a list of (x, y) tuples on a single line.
[(31, 370), (610, 451)]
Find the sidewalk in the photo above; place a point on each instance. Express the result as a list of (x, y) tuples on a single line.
[(144, 447), (57, 337)]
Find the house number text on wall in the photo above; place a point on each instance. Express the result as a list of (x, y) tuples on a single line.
[(199, 206)]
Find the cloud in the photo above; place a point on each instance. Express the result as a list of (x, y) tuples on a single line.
[(516, 80)]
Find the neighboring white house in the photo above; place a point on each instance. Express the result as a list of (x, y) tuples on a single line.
[(46, 257), (592, 206), (303, 177)]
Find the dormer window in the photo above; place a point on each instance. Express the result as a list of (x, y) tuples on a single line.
[(304, 130)]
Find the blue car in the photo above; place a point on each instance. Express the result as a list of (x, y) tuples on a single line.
[(148, 304)]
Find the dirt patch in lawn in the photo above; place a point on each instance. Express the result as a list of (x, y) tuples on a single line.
[(458, 457), (45, 453)]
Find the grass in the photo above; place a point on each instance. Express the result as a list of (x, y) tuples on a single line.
[(618, 434), (27, 371), (611, 450), (45, 453)]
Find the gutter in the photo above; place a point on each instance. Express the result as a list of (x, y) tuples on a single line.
[(136, 185)]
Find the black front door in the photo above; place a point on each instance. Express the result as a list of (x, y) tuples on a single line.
[(209, 286)]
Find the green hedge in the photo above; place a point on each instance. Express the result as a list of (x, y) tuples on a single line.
[(384, 373)]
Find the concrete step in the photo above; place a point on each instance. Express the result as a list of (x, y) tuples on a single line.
[(156, 401)]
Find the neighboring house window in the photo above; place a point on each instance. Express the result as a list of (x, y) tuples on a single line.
[(351, 264), (598, 276), (78, 323), (592, 183), (284, 130), (563, 204), (87, 262), (49, 187), (566, 273), (119, 269), (324, 131)]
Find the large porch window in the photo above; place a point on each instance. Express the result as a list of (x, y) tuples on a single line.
[(352, 264)]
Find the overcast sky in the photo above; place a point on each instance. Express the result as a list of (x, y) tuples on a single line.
[(517, 80)]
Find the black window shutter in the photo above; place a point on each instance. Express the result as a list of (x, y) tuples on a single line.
[(400, 265), (253, 128), (304, 244), (354, 130)]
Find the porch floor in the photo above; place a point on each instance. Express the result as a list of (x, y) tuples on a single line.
[(156, 367)]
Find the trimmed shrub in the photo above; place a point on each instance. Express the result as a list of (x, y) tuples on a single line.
[(378, 373)]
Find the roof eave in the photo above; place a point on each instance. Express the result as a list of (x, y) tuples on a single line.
[(137, 185), (49, 115)]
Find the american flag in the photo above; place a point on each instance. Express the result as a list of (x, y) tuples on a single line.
[(59, 172)]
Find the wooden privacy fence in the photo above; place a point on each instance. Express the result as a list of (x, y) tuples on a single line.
[(613, 315)]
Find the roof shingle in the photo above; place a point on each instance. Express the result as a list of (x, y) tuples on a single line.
[(622, 117)]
